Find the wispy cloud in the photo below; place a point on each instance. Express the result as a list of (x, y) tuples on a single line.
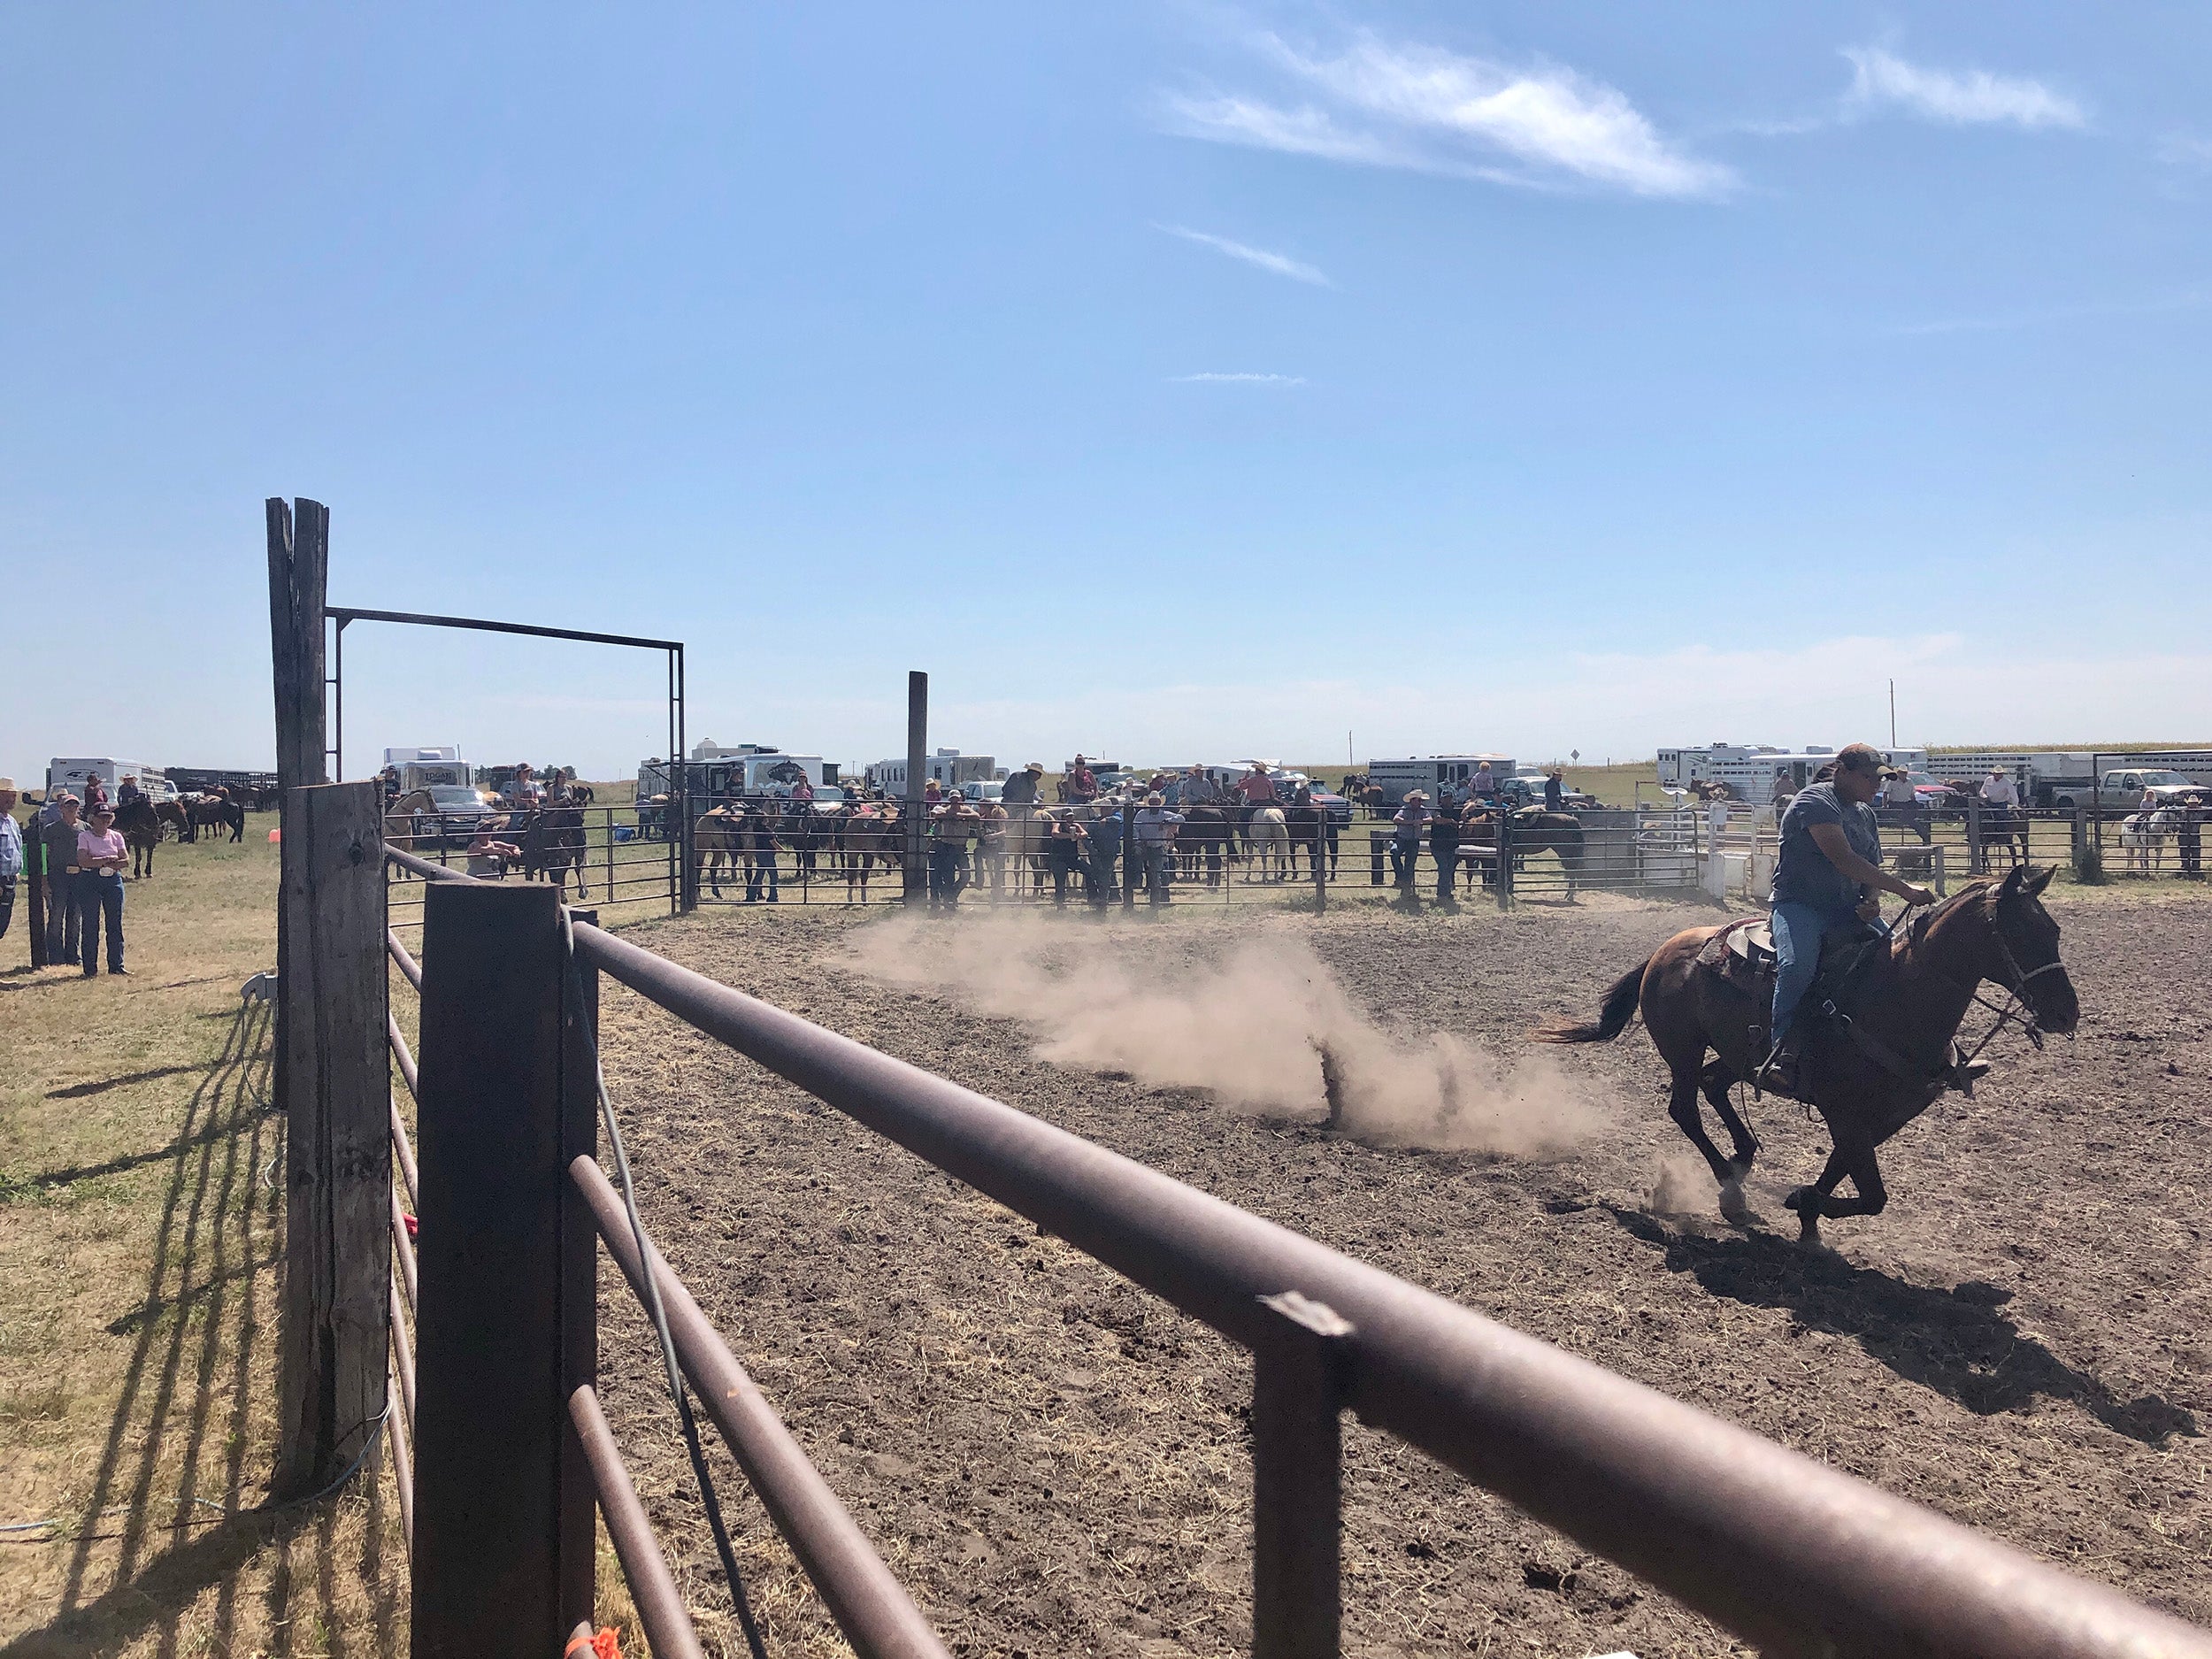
[(1967, 98), (1378, 103), (2189, 301), (1211, 378), (1282, 265), (2186, 150)]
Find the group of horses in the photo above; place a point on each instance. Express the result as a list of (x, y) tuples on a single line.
[(145, 822), (550, 837)]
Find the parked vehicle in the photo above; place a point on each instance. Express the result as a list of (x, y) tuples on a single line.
[(429, 767), (1435, 774), (74, 774)]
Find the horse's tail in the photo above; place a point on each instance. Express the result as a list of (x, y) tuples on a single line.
[(1614, 1013)]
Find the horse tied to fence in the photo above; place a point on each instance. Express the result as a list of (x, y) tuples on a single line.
[(1882, 1046)]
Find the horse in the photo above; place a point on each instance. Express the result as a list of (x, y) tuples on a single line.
[(2006, 827), (717, 836), (1875, 1068), (1207, 842), (1313, 833), (873, 832), (215, 812), (1268, 838), (552, 841), (1528, 832), (140, 826), (2143, 839)]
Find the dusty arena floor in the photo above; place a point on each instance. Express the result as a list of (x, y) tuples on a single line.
[(1057, 1464)]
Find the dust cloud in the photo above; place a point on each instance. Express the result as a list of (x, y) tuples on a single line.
[(1262, 1023)]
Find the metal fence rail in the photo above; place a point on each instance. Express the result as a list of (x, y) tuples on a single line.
[(1786, 1552)]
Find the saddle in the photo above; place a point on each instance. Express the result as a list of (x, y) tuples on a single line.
[(1742, 953)]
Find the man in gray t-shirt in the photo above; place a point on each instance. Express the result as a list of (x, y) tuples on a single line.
[(1829, 864)]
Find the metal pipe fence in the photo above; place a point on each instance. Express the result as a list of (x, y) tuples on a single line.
[(1787, 1553)]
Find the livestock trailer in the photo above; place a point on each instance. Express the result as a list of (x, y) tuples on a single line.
[(1437, 774)]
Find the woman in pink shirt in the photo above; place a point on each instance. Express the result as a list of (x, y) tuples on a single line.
[(96, 883)]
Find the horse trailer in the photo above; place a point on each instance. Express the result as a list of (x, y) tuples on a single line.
[(2064, 778), (428, 767), (1751, 770), (947, 766), (74, 774), (1437, 774)]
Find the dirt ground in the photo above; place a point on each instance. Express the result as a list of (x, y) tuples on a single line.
[(1056, 1463)]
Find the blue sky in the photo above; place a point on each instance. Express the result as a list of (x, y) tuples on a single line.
[(1167, 379)]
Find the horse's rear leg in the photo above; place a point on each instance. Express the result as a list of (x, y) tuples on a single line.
[(1682, 1107)]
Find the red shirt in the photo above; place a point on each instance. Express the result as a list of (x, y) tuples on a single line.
[(1257, 787)]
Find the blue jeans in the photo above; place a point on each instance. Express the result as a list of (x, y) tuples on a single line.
[(98, 896), (1158, 858), (1403, 852), (1799, 930), (948, 864)]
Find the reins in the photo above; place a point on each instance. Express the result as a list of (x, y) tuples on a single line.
[(2017, 1005)]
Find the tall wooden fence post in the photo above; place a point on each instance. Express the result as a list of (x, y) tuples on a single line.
[(332, 1353), (578, 1520), (916, 763), (495, 1347)]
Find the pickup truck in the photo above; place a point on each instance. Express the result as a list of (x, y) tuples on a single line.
[(2123, 786)]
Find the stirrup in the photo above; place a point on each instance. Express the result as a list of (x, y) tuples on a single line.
[(1778, 1066)]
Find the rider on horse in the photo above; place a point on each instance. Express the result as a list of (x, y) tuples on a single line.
[(1824, 879)]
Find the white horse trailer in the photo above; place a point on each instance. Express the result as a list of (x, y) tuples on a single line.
[(64, 772), (948, 766), (426, 766), (1752, 770), (1435, 774)]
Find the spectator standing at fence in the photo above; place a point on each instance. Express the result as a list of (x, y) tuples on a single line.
[(11, 853), (56, 826), (1444, 849), (1406, 827), (2189, 834), (1155, 828), (1067, 848), (98, 886), (990, 850), (1106, 836), (956, 823)]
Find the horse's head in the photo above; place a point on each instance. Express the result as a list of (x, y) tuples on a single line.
[(2024, 950)]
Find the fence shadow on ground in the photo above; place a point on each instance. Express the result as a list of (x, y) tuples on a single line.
[(1955, 1341), (169, 1493)]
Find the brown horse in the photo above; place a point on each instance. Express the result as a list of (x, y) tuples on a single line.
[(1871, 1072), (141, 825)]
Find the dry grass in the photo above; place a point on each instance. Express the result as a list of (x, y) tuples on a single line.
[(141, 1238)]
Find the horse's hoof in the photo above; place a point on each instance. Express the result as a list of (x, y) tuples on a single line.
[(1797, 1198), (1732, 1207)]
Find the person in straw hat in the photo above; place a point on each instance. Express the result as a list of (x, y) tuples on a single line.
[(1023, 788), (1406, 826)]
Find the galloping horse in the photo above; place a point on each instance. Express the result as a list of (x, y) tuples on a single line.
[(1871, 1073)]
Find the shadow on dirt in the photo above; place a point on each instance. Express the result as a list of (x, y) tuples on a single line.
[(1954, 1341)]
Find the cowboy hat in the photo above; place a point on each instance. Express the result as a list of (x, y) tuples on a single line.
[(1417, 795), (1155, 799), (7, 786), (1034, 765)]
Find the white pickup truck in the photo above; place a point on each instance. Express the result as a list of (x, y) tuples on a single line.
[(2124, 786)]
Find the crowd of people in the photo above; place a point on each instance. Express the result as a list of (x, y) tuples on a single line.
[(73, 849)]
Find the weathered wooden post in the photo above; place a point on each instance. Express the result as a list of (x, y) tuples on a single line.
[(1503, 819), (1977, 854), (501, 1550), (333, 1354), (917, 860), (1320, 858), (329, 1365)]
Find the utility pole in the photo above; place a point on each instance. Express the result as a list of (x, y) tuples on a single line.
[(1892, 714)]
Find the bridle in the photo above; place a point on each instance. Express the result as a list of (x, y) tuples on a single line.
[(2017, 1005)]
